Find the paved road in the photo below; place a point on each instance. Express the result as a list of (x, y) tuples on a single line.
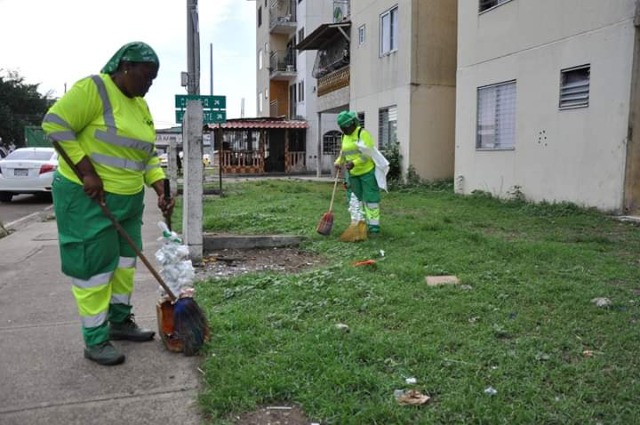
[(13, 213)]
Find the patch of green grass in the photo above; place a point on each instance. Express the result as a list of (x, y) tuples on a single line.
[(520, 324)]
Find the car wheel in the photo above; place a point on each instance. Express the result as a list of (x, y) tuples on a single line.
[(6, 196)]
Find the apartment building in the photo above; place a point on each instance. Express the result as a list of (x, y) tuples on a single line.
[(547, 101), (392, 61), (285, 86)]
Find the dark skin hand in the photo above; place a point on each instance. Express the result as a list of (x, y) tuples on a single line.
[(92, 185)]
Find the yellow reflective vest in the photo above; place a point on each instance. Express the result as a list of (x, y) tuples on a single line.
[(95, 119), (362, 164)]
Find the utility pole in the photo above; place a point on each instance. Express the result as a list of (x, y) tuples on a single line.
[(211, 69), (192, 142)]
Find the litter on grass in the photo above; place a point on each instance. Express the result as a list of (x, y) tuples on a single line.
[(410, 397), (601, 302), (490, 391)]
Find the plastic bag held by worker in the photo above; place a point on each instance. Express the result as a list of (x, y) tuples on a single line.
[(382, 164), (177, 270)]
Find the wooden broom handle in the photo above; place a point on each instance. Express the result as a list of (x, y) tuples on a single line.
[(118, 226), (333, 195)]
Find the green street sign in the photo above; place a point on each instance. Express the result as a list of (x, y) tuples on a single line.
[(208, 102), (208, 117)]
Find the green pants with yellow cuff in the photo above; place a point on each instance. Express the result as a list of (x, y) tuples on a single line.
[(99, 261)]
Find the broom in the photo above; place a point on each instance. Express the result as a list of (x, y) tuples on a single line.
[(191, 319), (326, 222)]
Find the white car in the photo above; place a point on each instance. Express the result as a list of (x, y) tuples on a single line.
[(27, 170)]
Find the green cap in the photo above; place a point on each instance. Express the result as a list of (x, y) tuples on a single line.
[(136, 51), (346, 118)]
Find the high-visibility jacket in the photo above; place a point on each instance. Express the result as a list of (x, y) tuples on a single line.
[(362, 164), (95, 119)]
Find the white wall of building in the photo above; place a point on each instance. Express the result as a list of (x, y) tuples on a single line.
[(573, 155)]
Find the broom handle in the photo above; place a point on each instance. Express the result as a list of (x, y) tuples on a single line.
[(118, 226), (333, 195), (167, 197)]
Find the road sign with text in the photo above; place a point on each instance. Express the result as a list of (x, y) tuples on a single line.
[(208, 102), (208, 117)]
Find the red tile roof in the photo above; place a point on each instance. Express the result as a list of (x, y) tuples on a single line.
[(259, 123)]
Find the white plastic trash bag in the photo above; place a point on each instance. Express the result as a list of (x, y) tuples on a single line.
[(177, 270), (382, 164)]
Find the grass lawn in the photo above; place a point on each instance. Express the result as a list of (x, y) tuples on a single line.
[(522, 322)]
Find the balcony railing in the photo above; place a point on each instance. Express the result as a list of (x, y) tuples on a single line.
[(282, 65), (334, 81), (282, 15)]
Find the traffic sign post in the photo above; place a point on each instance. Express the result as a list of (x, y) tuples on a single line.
[(213, 108), (208, 117)]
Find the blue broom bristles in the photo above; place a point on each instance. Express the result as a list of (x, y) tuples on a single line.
[(190, 325)]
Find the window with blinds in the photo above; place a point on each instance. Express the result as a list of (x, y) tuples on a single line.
[(574, 87), (387, 126), (496, 121), (488, 4)]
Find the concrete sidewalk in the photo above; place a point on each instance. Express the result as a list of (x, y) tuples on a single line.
[(45, 378)]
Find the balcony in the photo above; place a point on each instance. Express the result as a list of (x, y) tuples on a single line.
[(334, 81), (282, 17), (282, 65)]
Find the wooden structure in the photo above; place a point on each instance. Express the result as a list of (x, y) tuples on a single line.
[(260, 145)]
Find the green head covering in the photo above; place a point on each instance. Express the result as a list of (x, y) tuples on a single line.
[(136, 51), (346, 118)]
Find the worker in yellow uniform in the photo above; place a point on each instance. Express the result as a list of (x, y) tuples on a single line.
[(360, 176), (105, 126)]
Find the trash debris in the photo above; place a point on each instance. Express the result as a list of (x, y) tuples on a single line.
[(365, 263), (410, 397), (466, 287), (601, 302), (411, 381), (382, 252), (442, 280), (343, 327), (490, 391)]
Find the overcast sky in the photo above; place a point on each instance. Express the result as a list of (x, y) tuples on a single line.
[(53, 42)]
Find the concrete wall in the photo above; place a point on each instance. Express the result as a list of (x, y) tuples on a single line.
[(575, 155), (418, 78)]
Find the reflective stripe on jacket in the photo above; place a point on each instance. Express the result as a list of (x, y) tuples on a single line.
[(349, 152), (97, 120)]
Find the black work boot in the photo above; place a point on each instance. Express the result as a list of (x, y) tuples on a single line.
[(104, 354), (130, 331)]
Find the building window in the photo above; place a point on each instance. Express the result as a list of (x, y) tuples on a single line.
[(387, 126), (293, 110), (489, 4), (260, 59), (331, 142), (266, 93), (389, 31), (361, 119), (574, 87), (260, 102), (301, 91), (259, 16), (362, 33), (300, 36), (496, 121)]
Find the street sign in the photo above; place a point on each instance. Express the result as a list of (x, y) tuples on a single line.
[(208, 117), (208, 102)]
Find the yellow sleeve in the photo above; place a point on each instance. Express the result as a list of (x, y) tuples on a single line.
[(71, 114), (340, 159), (153, 171)]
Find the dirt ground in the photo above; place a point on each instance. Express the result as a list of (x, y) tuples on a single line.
[(232, 262)]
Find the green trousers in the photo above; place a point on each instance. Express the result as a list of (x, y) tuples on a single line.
[(98, 260), (366, 189)]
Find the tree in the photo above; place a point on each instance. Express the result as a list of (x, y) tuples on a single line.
[(20, 105)]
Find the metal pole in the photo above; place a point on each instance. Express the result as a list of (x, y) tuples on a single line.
[(211, 69)]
